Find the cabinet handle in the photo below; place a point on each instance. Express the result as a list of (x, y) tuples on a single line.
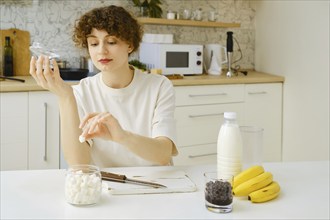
[(201, 155), (257, 93), (45, 150), (211, 94), (205, 115)]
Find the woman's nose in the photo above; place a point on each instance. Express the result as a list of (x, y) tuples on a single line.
[(103, 49)]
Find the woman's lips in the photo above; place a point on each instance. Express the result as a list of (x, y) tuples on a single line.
[(104, 61)]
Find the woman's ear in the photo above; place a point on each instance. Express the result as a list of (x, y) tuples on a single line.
[(130, 49)]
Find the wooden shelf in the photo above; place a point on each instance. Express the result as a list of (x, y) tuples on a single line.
[(161, 21)]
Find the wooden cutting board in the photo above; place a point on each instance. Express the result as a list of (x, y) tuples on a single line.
[(20, 41)]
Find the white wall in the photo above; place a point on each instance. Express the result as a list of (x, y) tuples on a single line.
[(51, 23), (292, 40)]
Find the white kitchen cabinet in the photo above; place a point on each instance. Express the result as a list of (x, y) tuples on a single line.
[(30, 126), (14, 130), (200, 124), (263, 108), (196, 155), (44, 131), (29, 131), (199, 115)]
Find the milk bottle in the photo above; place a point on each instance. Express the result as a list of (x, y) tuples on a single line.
[(229, 147)]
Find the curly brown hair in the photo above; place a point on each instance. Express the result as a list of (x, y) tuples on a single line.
[(115, 20)]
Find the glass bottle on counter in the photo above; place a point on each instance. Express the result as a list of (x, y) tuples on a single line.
[(8, 61), (229, 147)]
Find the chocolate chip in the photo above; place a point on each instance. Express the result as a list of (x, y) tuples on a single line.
[(218, 193)]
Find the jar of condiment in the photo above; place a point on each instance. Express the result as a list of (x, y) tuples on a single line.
[(83, 185), (170, 15), (61, 64)]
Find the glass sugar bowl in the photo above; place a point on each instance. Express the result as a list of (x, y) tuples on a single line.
[(83, 185)]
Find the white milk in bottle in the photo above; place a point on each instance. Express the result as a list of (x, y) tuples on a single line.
[(229, 147)]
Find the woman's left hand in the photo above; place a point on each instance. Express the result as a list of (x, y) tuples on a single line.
[(102, 125)]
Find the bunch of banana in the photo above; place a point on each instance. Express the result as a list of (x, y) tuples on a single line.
[(265, 194), (257, 184), (247, 174)]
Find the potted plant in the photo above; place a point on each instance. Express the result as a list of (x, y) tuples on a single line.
[(149, 8), (138, 64)]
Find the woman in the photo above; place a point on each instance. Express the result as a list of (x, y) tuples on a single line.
[(127, 117)]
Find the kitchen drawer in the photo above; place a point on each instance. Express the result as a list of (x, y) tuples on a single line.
[(258, 93), (210, 94), (201, 124), (194, 155)]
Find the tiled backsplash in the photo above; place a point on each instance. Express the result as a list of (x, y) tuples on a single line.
[(50, 22)]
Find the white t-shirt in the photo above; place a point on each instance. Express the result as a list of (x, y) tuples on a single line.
[(145, 107)]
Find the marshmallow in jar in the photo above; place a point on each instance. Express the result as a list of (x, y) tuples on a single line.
[(83, 185)]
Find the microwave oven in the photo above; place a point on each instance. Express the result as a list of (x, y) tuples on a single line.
[(183, 59)]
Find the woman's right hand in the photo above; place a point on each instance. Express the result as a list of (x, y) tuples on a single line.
[(48, 78)]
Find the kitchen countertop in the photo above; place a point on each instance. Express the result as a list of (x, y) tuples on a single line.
[(252, 77), (39, 194)]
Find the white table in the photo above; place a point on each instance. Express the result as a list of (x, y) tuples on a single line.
[(39, 194)]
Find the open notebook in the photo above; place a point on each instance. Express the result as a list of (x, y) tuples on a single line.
[(174, 180)]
